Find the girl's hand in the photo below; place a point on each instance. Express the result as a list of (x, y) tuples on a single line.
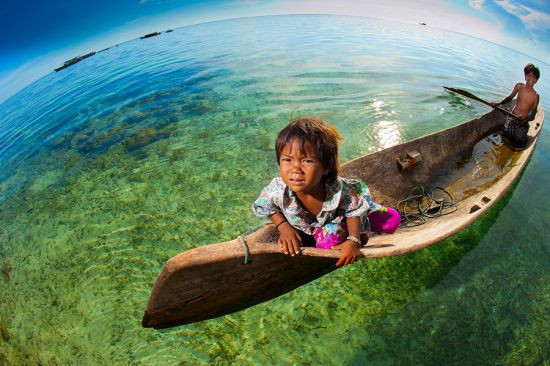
[(350, 252), (290, 240)]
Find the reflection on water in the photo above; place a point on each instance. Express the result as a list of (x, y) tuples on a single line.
[(133, 155), (387, 133)]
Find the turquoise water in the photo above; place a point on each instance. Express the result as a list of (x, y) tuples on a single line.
[(159, 145)]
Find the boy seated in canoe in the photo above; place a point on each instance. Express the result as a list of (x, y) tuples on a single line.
[(309, 202), (526, 106)]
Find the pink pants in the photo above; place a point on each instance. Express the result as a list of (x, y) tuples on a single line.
[(385, 220)]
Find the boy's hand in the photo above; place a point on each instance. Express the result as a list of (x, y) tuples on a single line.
[(350, 252), (290, 240)]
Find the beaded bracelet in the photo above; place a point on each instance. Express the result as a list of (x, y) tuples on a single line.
[(354, 239), (279, 223)]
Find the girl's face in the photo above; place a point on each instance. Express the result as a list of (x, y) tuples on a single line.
[(302, 173)]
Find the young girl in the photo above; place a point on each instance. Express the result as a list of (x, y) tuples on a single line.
[(309, 201)]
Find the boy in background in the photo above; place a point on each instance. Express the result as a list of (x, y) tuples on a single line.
[(525, 109)]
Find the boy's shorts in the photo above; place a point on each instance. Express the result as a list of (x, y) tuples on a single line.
[(516, 131)]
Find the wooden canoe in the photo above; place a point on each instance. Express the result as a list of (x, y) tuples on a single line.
[(212, 280)]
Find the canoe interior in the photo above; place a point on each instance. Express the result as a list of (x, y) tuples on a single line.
[(470, 160), (442, 155)]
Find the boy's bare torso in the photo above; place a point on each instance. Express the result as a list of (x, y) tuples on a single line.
[(526, 101)]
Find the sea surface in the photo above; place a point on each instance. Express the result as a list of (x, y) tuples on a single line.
[(159, 145)]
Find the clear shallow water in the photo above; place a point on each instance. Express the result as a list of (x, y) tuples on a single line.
[(156, 146)]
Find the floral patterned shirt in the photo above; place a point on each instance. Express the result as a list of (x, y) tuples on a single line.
[(343, 198)]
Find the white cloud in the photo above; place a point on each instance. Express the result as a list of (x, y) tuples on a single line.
[(510, 7), (532, 19), (476, 4), (436, 13), (536, 20), (536, 23)]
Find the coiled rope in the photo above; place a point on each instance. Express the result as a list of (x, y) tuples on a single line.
[(420, 205)]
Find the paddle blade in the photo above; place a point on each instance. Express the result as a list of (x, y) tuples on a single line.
[(474, 97), (466, 94)]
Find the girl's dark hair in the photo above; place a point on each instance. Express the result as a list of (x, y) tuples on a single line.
[(313, 135), (530, 68)]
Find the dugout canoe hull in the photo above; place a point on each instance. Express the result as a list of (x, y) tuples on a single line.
[(212, 280)]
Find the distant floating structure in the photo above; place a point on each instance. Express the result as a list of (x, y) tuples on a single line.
[(73, 61), (80, 58), (149, 35), (422, 23)]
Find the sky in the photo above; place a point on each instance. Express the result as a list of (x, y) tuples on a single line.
[(38, 35)]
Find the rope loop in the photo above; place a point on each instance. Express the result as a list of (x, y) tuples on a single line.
[(243, 242), (425, 205), (246, 249)]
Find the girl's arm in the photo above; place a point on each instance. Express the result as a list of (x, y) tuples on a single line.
[(290, 240), (350, 249)]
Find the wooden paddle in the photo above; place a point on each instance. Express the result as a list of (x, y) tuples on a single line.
[(471, 96)]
